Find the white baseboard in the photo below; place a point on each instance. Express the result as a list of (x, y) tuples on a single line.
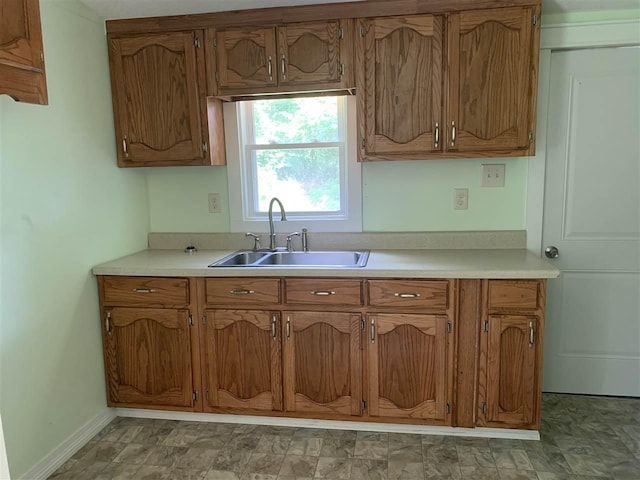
[(63, 452), (332, 424)]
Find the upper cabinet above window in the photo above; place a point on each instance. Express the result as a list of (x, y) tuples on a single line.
[(289, 58), (22, 73)]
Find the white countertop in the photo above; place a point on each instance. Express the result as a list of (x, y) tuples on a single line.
[(512, 263)]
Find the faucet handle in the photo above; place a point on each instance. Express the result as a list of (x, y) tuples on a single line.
[(256, 240), (290, 240)]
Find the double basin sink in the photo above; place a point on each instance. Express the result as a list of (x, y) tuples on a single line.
[(330, 259)]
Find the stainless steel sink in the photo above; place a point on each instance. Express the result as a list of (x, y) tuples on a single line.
[(330, 259)]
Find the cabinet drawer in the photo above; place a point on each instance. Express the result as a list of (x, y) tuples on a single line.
[(323, 291), (145, 291), (242, 291), (409, 293), (513, 295)]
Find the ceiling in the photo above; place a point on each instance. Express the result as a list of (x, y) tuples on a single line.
[(110, 9)]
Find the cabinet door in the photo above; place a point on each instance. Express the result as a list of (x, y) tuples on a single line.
[(21, 55), (243, 363), (402, 85), (157, 99), (407, 365), (511, 361), (322, 363), (148, 357), (246, 58), (491, 85), (310, 54)]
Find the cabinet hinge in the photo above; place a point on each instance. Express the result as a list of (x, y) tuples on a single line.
[(449, 326), (206, 394), (448, 408), (362, 32), (535, 20), (196, 42), (190, 319), (363, 144), (363, 324), (485, 327), (530, 137), (217, 78), (364, 405), (205, 149), (203, 319), (215, 43), (341, 33), (195, 396), (483, 406), (341, 69)]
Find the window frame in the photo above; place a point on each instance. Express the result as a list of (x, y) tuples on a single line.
[(243, 182)]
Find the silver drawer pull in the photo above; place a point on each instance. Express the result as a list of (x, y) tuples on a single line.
[(407, 295), (144, 290), (322, 293), (241, 292)]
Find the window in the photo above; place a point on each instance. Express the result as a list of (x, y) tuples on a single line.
[(301, 151)]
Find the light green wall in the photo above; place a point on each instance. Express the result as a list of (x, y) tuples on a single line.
[(397, 196), (594, 16), (65, 207)]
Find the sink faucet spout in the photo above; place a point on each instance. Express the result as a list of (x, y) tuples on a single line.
[(283, 218)]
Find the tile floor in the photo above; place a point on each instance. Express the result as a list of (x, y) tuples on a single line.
[(582, 438)]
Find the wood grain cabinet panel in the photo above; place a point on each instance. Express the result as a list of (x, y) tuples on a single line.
[(148, 357), (322, 363), (401, 85), (316, 291), (22, 72), (511, 386), (492, 55), (242, 360), (161, 111), (513, 295), (407, 364), (242, 291), (431, 295), (145, 292)]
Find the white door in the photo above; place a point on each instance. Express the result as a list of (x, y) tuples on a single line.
[(592, 216)]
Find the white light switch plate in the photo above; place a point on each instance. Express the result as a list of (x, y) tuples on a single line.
[(493, 175)]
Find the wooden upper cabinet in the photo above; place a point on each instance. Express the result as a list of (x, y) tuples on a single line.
[(294, 57), (511, 384), (158, 84), (400, 85), (322, 363), (242, 360), (408, 368), (148, 357), (22, 73), (493, 58)]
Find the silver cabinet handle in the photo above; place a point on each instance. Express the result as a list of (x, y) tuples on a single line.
[(107, 323), (270, 68), (437, 139), (125, 150), (531, 334), (274, 321), (407, 295), (283, 64), (453, 134), (322, 293), (241, 292), (288, 326), (373, 331), (144, 290)]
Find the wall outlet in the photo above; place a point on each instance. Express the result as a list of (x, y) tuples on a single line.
[(493, 175), (214, 203), (461, 199)]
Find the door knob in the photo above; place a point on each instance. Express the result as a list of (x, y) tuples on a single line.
[(551, 252)]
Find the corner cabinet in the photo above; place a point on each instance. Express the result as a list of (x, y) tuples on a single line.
[(22, 72), (280, 59), (162, 113), (477, 98)]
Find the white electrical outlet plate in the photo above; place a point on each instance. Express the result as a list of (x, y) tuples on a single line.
[(461, 199), (214, 203), (493, 175)]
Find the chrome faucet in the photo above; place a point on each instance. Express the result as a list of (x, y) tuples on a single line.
[(283, 218)]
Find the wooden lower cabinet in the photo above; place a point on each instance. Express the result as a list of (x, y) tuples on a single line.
[(322, 363), (242, 360), (148, 357), (407, 362)]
